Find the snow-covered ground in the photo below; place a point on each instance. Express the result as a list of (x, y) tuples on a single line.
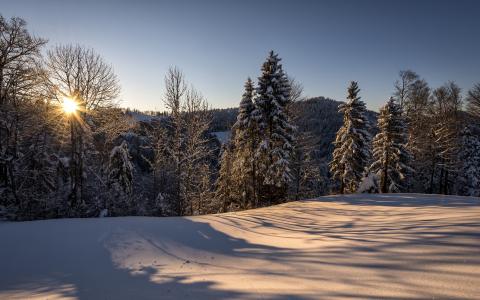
[(222, 136), (338, 247)]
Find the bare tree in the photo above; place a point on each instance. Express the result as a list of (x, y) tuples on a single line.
[(420, 134), (109, 123), (447, 104), (184, 149), (403, 86), (197, 120), (175, 91), (473, 101), (302, 165), (19, 82), (296, 90), (81, 72), (18, 51)]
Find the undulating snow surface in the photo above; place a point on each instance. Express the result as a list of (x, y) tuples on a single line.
[(338, 247)]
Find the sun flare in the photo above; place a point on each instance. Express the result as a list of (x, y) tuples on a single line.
[(69, 105)]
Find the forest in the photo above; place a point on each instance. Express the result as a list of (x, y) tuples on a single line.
[(68, 148)]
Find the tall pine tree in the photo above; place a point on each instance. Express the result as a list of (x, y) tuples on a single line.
[(390, 157), (276, 133), (245, 138), (352, 143)]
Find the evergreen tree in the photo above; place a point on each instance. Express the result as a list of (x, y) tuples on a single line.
[(390, 156), (369, 184), (276, 133), (469, 157), (245, 138), (224, 192), (352, 143), (120, 168), (120, 178)]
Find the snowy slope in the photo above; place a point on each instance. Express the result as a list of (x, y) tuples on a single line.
[(222, 136), (337, 247)]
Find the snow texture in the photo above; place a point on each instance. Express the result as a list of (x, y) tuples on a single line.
[(369, 184), (142, 117), (384, 246), (222, 136)]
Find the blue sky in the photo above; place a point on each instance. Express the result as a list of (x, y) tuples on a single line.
[(218, 44)]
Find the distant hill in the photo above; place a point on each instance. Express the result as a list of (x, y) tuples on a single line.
[(318, 116), (223, 118)]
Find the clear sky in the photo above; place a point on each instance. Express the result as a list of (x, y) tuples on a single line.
[(218, 44)]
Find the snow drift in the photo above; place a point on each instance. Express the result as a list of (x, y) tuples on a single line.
[(400, 246)]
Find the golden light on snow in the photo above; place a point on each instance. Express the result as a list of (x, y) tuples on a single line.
[(69, 105)]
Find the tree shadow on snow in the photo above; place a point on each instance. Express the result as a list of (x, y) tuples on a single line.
[(83, 259), (163, 258), (397, 244), (408, 200)]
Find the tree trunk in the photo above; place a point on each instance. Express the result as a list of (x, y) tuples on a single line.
[(432, 175), (254, 183), (445, 183), (440, 181), (384, 181), (76, 164), (2, 92)]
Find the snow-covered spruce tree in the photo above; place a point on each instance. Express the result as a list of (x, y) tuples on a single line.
[(469, 157), (245, 140), (225, 184), (369, 184), (352, 143), (120, 178), (391, 160), (276, 133)]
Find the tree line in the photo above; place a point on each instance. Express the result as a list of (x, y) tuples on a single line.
[(97, 160), (425, 142)]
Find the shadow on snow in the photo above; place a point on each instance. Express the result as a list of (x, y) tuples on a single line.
[(80, 258)]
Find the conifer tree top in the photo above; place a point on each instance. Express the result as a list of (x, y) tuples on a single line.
[(247, 97), (246, 106), (273, 84), (353, 91)]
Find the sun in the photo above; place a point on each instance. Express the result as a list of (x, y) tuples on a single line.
[(69, 105)]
